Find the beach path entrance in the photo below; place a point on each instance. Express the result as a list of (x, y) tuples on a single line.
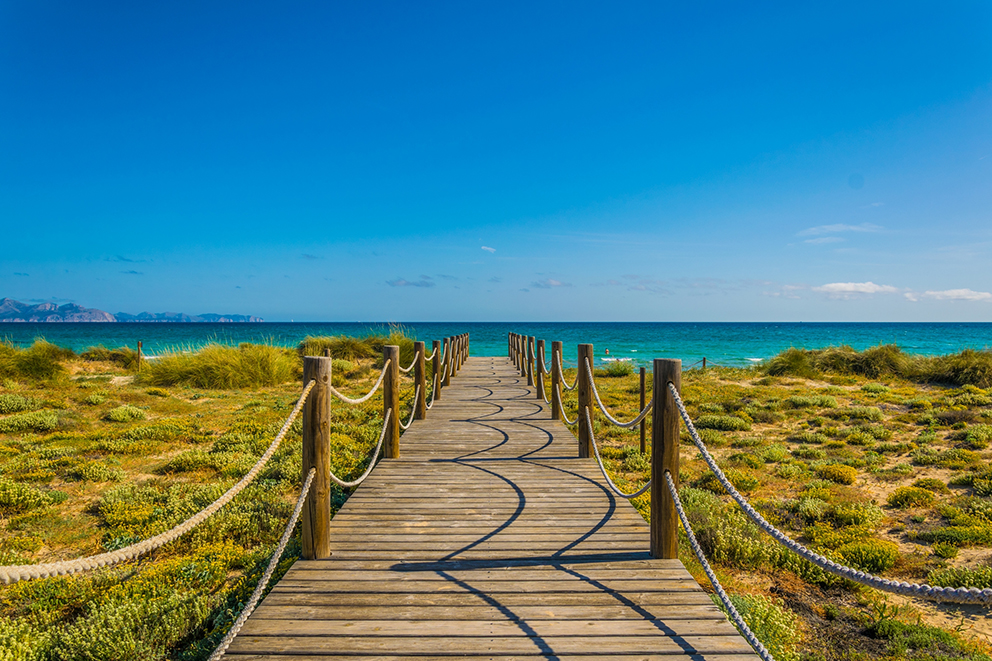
[(488, 538)]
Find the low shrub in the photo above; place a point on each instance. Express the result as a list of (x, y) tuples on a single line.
[(95, 471), (873, 555), (17, 403), (978, 437), (838, 473), (744, 482), (945, 551), (723, 423), (124, 413), (618, 368), (16, 497), (809, 453), (94, 400), (961, 577), (774, 625), (810, 401), (932, 484), (157, 392), (808, 437), (956, 458), (906, 497), (870, 413), (857, 514), (38, 421), (875, 388)]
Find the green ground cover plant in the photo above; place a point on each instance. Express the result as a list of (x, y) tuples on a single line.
[(90, 463), (859, 455)]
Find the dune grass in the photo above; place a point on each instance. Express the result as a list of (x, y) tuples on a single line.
[(218, 366), (968, 367)]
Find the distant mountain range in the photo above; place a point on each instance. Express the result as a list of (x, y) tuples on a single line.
[(14, 311)]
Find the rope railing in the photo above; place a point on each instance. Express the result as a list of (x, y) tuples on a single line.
[(434, 381), (735, 617), (14, 573), (413, 409), (602, 468), (375, 455), (956, 595), (269, 570), (561, 371), (360, 400), (564, 417), (626, 425)]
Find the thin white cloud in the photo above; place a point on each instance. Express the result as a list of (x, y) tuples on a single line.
[(838, 228), (957, 295), (825, 239), (488, 249), (549, 283), (400, 282), (849, 288)]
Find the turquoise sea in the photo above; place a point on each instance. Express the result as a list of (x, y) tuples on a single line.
[(731, 343)]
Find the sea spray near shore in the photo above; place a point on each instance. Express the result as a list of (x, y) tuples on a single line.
[(735, 344)]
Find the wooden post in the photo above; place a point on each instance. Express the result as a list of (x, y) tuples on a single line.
[(530, 361), (420, 381), (447, 362), (539, 372), (555, 380), (436, 369), (585, 400), (316, 516), (664, 456), (509, 346), (704, 362), (391, 400), (644, 422), (139, 357)]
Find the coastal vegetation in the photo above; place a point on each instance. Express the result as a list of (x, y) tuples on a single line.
[(95, 455), (876, 459), (864, 456)]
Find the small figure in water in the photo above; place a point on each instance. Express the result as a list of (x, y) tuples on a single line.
[(607, 352)]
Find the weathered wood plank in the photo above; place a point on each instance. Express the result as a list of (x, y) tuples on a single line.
[(488, 538)]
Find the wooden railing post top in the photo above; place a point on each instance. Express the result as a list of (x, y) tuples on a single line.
[(391, 400)]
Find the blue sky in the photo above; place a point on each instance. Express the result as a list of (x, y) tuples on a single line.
[(508, 161)]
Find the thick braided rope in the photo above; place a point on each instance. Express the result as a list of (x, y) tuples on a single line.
[(14, 573), (413, 411), (545, 396), (561, 371), (957, 595), (267, 576), (406, 370), (430, 404), (563, 416), (735, 617), (602, 468), (626, 425), (431, 357), (375, 455), (349, 400)]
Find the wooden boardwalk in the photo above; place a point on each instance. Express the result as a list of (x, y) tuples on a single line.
[(489, 539)]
